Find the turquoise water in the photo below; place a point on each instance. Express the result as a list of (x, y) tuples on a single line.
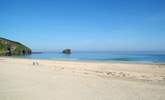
[(103, 56)]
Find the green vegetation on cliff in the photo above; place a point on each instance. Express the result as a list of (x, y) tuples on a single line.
[(9, 48)]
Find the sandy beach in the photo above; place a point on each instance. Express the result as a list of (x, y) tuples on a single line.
[(22, 79)]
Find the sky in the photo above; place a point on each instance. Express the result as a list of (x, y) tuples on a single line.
[(85, 25)]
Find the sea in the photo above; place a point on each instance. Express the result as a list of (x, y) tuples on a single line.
[(113, 56)]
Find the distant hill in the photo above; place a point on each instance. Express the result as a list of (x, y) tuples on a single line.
[(9, 48)]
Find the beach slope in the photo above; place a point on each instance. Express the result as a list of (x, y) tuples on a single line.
[(25, 79)]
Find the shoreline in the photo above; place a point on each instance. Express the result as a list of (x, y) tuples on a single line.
[(94, 61), (107, 65)]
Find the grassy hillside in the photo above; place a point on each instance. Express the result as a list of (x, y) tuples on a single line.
[(8, 48)]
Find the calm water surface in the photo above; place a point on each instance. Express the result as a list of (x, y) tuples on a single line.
[(103, 56)]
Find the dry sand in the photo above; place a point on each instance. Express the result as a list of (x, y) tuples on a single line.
[(76, 80)]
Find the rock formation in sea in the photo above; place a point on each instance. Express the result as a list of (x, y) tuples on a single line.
[(66, 51), (9, 48)]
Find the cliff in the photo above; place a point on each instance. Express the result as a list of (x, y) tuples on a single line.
[(9, 48)]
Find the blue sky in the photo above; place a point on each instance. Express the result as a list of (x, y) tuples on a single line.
[(99, 25)]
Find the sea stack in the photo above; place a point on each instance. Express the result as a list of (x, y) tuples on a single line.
[(66, 51), (9, 48)]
